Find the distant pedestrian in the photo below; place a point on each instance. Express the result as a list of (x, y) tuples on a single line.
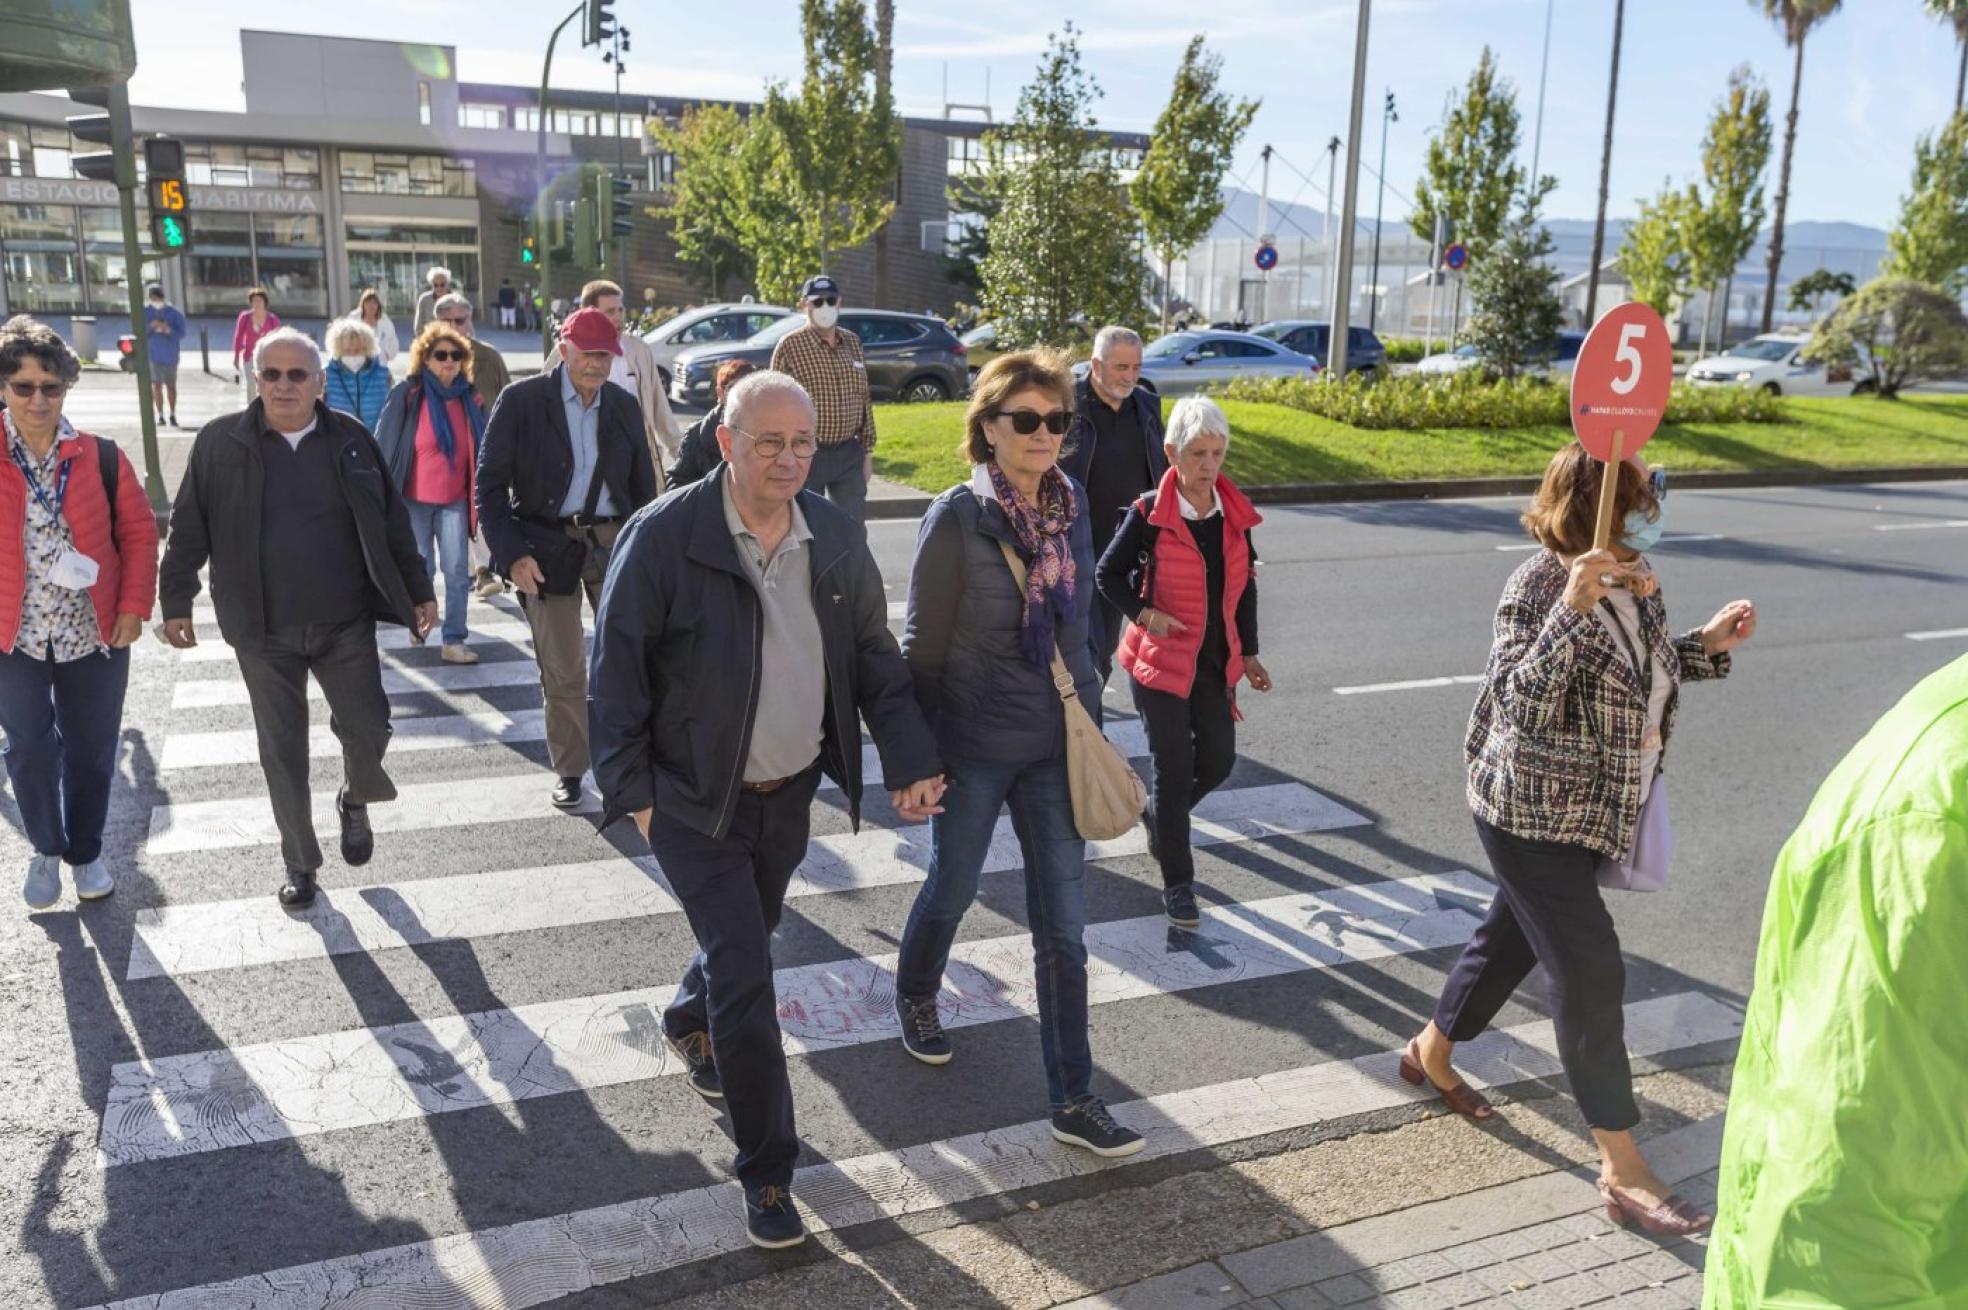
[(1181, 569), (430, 434), (309, 545), (742, 612), (357, 381), (635, 371), (508, 304), (165, 330), (78, 576), (565, 462), (437, 280), (1116, 451), (254, 322), (1564, 749), (701, 453), (826, 359), (999, 591), (490, 376), (371, 310)]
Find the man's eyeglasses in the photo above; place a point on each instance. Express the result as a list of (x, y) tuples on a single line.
[(772, 447), (48, 390), (446, 356), (1026, 421), (823, 300), (293, 375)]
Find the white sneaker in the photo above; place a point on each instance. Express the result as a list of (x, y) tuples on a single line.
[(43, 886), (458, 653), (93, 881)]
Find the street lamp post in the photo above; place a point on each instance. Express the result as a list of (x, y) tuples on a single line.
[(1350, 207), (1332, 240), (1388, 114), (614, 56), (540, 180)]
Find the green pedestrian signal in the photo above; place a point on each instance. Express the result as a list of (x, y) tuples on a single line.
[(168, 233), (529, 251)]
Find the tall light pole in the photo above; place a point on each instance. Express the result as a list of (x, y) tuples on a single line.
[(614, 56), (1605, 169), (1332, 239), (1388, 114), (1544, 71), (541, 202), (1350, 207)]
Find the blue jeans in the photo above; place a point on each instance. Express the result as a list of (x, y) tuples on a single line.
[(1055, 901), (443, 535), (62, 723)]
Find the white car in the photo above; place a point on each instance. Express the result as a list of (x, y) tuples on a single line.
[(1564, 354), (707, 325), (1774, 364)]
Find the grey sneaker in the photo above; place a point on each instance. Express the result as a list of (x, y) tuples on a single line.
[(43, 886), (93, 881)]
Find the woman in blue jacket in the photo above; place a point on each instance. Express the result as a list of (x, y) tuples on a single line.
[(980, 649), (357, 379)]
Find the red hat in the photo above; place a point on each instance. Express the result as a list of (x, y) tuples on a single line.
[(590, 329)]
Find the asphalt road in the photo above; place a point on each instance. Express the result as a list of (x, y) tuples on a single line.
[(198, 1090)]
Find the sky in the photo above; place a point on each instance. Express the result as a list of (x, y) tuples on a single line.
[(1877, 74)]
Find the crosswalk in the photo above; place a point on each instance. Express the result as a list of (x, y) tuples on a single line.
[(224, 1097)]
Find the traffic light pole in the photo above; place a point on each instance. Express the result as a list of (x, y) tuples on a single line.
[(541, 200), (123, 144)]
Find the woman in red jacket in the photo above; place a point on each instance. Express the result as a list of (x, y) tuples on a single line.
[(78, 577), (254, 322), (1180, 569)]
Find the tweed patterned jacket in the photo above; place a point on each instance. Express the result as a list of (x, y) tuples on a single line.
[(1554, 741)]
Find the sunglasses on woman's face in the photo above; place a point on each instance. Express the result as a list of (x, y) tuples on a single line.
[(1026, 421), (293, 375), (48, 390), (446, 356)]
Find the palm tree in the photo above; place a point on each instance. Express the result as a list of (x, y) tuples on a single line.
[(1796, 18), (1956, 13), (1605, 169)]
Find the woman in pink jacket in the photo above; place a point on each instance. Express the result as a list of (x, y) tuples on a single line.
[(254, 322)]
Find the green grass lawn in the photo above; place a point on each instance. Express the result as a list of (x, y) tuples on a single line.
[(1271, 443)]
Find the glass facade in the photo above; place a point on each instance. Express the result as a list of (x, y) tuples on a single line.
[(393, 256), (371, 172), (220, 163), (292, 262), (60, 259)]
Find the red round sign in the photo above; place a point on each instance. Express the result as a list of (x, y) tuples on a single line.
[(1621, 380)]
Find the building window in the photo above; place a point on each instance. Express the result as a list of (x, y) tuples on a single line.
[(290, 261), (370, 172), (42, 259), (424, 103), (526, 118), (492, 116), (221, 163)]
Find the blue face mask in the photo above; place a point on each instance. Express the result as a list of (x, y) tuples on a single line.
[(1641, 535)]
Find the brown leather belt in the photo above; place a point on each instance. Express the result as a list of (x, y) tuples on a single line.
[(763, 787)]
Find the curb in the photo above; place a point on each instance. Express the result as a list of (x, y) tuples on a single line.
[(1327, 493)]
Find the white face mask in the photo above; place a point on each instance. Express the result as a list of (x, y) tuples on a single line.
[(824, 316), (355, 363)]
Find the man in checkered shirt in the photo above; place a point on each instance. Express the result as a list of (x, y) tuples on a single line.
[(827, 362)]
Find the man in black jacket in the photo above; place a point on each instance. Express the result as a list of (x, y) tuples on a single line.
[(309, 545), (564, 463), (743, 631), (1114, 450)]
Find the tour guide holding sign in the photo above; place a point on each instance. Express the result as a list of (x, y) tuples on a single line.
[(1564, 751)]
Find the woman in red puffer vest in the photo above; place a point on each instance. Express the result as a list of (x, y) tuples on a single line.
[(1180, 568)]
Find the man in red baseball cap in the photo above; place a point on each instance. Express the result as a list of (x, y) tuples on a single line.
[(565, 462)]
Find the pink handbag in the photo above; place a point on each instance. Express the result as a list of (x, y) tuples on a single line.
[(1645, 867)]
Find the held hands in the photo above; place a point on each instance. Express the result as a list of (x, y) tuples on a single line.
[(1733, 624), (128, 628), (527, 576), (1162, 625), (424, 618), (1585, 588), (1259, 678), (179, 634), (918, 800)]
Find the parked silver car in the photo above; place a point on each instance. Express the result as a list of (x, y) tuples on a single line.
[(707, 325), (1185, 362)]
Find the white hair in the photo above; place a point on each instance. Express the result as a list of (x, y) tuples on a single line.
[(344, 328), (755, 389), (451, 300), (286, 336), (1196, 416), (439, 271), (1110, 336)]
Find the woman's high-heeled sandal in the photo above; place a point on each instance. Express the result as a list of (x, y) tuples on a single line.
[(1462, 1098), (1673, 1217)]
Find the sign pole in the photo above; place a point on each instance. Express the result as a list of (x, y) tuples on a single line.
[(1602, 536)]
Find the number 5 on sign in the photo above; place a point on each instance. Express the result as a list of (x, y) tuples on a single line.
[(1619, 393)]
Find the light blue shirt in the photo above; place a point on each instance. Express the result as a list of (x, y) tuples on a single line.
[(584, 430)]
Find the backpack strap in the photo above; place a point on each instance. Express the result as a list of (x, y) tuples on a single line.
[(111, 469)]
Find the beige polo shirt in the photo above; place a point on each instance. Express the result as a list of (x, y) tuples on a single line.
[(792, 702)]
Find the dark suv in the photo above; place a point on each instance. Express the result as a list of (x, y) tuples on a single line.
[(909, 357), (1365, 354)]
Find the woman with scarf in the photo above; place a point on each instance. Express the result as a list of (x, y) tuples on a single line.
[(430, 432), (980, 644)]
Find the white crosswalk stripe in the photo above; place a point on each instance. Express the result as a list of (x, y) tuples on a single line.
[(211, 692), (389, 637)]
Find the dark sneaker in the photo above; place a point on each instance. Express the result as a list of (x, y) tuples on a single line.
[(567, 793), (922, 1029), (358, 839), (770, 1219), (1087, 1123), (297, 893), (694, 1049), (1180, 903)]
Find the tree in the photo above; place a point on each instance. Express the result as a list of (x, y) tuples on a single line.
[(1179, 190), (1930, 242), (1605, 169), (1909, 331), (1655, 255), (706, 208), (1955, 12), (970, 195), (1062, 245), (1471, 175), (1735, 155), (1796, 18), (839, 143), (1514, 290), (1806, 291)]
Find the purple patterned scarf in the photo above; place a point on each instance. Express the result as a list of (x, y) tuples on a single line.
[(1044, 534)]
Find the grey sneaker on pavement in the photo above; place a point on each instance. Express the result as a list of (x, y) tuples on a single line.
[(43, 886), (93, 881), (1179, 902), (922, 1029), (1087, 1123)]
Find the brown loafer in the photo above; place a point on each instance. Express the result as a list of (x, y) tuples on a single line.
[(1673, 1217), (1462, 1098)]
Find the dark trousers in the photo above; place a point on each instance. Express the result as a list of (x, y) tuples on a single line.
[(343, 659), (62, 722), (732, 891), (836, 474), (1548, 910), (1194, 744), (1105, 622)]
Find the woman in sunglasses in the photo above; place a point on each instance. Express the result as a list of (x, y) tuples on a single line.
[(980, 647), (78, 577), (1564, 751), (430, 431), (254, 322)]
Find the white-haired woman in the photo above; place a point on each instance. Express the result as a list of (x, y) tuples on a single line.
[(357, 379), (1180, 568)]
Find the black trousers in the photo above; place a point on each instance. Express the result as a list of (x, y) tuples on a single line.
[(343, 659), (1548, 910), (1194, 744), (732, 891)]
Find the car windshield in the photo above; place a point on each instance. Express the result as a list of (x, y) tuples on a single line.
[(1272, 331), (1175, 343), (770, 335), (1466, 351), (1764, 348)]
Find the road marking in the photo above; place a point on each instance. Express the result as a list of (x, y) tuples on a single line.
[(213, 1100), (207, 693), (389, 637), (203, 937), (1415, 684), (1940, 634), (540, 1260), (431, 732), (1665, 541), (1920, 527)]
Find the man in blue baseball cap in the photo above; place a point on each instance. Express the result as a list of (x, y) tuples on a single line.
[(827, 361)]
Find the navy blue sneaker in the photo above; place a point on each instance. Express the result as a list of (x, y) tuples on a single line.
[(771, 1221), (1087, 1123), (922, 1029), (694, 1049), (1179, 902)]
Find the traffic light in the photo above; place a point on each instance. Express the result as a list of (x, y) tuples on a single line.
[(168, 194), (96, 129), (600, 22), (587, 245), (612, 210), (529, 249), (556, 233)]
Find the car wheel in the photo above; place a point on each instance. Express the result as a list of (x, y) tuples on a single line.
[(925, 390), (1369, 374), (1772, 389)]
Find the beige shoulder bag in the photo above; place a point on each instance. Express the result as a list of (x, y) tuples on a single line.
[(1108, 795)]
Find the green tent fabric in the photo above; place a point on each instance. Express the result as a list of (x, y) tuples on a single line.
[(1844, 1176)]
